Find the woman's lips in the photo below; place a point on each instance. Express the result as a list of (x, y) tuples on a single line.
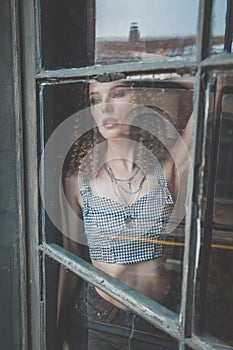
[(110, 123)]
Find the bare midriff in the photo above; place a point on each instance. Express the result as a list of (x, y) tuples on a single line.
[(150, 278)]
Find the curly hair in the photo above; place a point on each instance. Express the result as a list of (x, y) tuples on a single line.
[(150, 129)]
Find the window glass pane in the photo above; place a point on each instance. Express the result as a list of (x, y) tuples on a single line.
[(222, 19), (50, 303), (218, 155), (129, 30), (219, 303), (224, 181), (67, 33), (114, 173), (215, 274), (58, 101), (77, 34)]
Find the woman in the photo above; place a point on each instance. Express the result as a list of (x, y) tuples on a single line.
[(124, 184)]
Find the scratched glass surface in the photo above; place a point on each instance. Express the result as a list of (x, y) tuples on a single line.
[(129, 30)]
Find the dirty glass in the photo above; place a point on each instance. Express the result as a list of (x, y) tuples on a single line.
[(113, 175), (129, 30), (222, 24), (215, 270)]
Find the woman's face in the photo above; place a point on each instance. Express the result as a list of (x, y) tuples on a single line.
[(110, 104)]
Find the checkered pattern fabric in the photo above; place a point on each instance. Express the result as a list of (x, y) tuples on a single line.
[(127, 234)]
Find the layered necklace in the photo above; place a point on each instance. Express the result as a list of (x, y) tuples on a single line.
[(124, 184)]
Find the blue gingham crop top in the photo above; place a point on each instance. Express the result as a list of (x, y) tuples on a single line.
[(126, 234)]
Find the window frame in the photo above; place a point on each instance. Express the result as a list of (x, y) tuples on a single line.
[(181, 327)]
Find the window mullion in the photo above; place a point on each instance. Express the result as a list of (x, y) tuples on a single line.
[(208, 214), (207, 343), (204, 29), (28, 71), (182, 66), (229, 27), (192, 229)]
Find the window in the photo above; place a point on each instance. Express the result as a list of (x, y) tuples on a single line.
[(167, 81)]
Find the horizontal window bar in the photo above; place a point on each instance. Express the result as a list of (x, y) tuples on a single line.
[(219, 61), (150, 310), (186, 66), (206, 343)]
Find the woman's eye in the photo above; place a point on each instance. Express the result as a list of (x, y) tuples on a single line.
[(94, 101), (119, 94)]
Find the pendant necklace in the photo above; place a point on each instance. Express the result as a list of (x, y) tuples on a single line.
[(117, 182)]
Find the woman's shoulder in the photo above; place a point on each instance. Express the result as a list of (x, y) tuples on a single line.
[(170, 175), (73, 184)]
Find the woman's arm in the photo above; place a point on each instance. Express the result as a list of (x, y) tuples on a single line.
[(178, 160), (181, 149)]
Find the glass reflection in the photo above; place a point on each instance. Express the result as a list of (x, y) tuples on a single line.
[(144, 31)]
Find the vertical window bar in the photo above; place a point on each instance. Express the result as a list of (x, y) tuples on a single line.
[(229, 27), (28, 71), (204, 29), (90, 32), (43, 303), (192, 229), (208, 215), (41, 138), (18, 259), (38, 58)]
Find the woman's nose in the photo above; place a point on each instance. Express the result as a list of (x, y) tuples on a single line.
[(107, 107)]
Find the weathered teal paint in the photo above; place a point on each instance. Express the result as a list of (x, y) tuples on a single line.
[(13, 323)]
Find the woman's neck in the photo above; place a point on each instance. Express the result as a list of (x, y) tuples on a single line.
[(121, 154)]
